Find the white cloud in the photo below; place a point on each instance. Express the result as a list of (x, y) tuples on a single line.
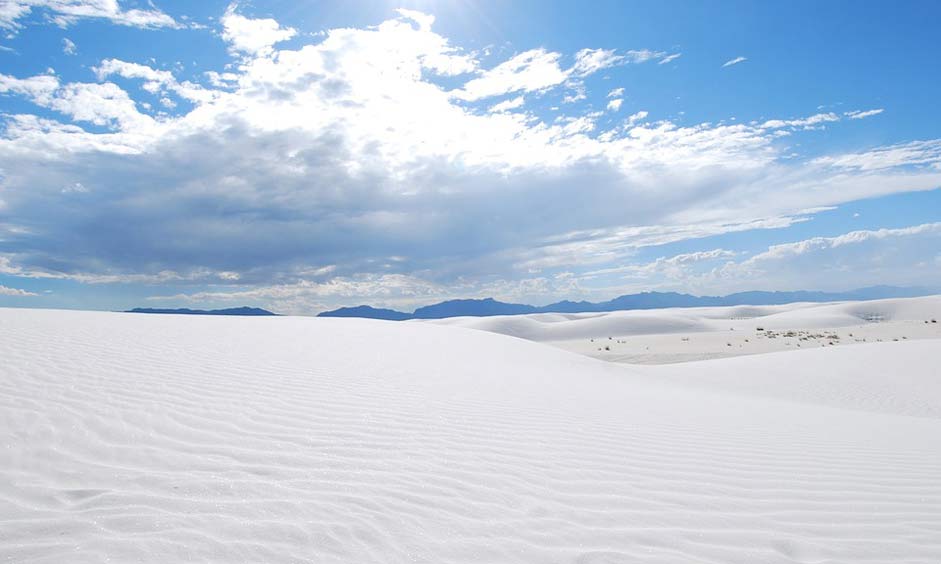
[(9, 268), (857, 114), (7, 291), (677, 267), (304, 297), (901, 256), (530, 71), (884, 256), (807, 122), (637, 117), (734, 61), (507, 105), (75, 188), (590, 61), (349, 151), (222, 79), (615, 105), (576, 94), (538, 70), (66, 12), (670, 58), (156, 81), (68, 46), (99, 104), (644, 55), (916, 153), (816, 244), (39, 88), (699, 256), (255, 37), (616, 93), (424, 21)]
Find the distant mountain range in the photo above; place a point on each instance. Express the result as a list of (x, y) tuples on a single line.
[(646, 300), (254, 311)]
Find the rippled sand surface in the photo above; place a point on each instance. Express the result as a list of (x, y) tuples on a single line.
[(135, 438)]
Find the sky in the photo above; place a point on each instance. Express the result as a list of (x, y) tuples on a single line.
[(306, 155)]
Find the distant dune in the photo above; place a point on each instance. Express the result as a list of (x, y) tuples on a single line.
[(687, 334), (162, 438)]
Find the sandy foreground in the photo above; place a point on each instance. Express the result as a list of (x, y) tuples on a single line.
[(146, 438), (688, 334)]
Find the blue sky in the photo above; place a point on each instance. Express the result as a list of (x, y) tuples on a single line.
[(306, 155)]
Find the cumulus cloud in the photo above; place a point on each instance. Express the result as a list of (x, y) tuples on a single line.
[(66, 12), (369, 150), (250, 36), (615, 105), (734, 61), (157, 81), (104, 104), (637, 117)]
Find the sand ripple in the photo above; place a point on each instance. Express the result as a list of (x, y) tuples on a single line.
[(177, 439)]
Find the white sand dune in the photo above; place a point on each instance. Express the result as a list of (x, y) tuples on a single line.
[(135, 438), (688, 334)]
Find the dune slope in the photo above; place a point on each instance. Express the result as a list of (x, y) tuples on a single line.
[(692, 334), (132, 438)]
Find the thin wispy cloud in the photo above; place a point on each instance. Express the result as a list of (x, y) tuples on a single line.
[(857, 114), (68, 12), (734, 61), (670, 58)]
